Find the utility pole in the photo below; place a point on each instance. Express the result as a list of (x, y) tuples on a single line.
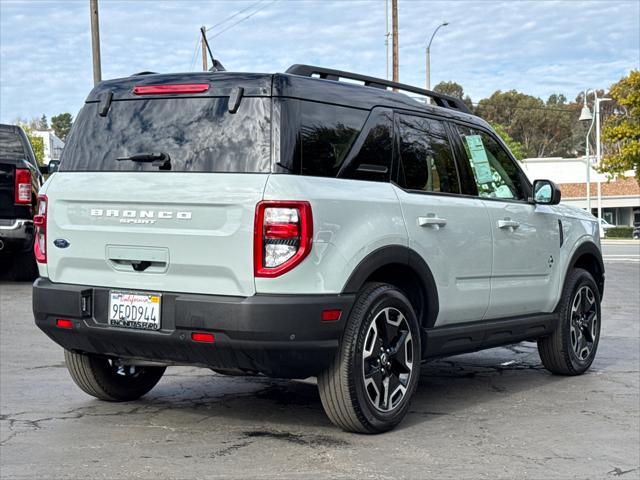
[(95, 41), (386, 35), (203, 30), (394, 27)]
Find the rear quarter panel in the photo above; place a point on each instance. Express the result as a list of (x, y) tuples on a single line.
[(351, 219)]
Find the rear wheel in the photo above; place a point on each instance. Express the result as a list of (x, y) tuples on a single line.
[(109, 380), (368, 386), (571, 348)]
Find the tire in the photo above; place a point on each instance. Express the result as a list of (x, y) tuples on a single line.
[(25, 268), (100, 378), (571, 348), (382, 316)]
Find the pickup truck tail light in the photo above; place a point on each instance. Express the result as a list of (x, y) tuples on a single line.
[(23, 186), (283, 234), (40, 224)]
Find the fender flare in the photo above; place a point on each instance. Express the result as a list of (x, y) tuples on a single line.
[(591, 248), (398, 255)]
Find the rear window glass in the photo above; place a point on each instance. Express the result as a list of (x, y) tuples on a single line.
[(197, 134), (324, 135), (372, 157), (10, 145)]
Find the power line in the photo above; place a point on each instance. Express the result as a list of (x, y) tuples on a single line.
[(235, 15), (192, 64), (243, 19)]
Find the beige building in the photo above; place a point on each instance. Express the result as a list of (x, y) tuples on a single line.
[(619, 200)]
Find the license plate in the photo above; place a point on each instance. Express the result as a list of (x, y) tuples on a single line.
[(134, 310)]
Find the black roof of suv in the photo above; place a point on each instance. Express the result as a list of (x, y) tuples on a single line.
[(299, 81)]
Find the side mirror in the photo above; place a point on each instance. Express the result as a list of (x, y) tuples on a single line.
[(545, 192), (53, 166)]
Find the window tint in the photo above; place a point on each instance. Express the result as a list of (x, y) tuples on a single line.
[(198, 134), (495, 174), (426, 159), (371, 158), (10, 144), (325, 137)]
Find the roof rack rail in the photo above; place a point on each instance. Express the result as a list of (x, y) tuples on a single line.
[(441, 100)]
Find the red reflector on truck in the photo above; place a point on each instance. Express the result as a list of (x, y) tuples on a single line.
[(64, 323), (331, 315), (170, 89), (202, 337)]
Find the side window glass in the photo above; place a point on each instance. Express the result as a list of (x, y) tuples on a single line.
[(495, 174), (371, 159), (325, 137), (426, 159)]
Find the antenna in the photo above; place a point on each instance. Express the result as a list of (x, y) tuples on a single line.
[(216, 66)]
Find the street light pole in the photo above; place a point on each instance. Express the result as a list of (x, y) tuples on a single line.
[(599, 158), (428, 53), (586, 115)]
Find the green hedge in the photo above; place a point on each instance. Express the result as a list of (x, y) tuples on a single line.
[(619, 232)]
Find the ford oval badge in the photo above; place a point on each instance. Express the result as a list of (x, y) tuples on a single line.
[(61, 243)]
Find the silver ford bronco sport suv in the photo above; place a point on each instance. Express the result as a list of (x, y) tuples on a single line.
[(297, 225)]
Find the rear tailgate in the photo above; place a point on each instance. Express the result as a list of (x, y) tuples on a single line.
[(7, 172), (117, 218), (195, 230)]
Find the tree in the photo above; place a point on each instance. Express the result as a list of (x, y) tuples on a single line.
[(61, 125), (543, 129), (455, 90), (621, 132), (43, 123), (37, 143), (515, 147)]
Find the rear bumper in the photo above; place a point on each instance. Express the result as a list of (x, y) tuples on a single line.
[(16, 234), (278, 335)]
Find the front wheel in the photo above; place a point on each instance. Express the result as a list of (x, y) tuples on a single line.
[(369, 385), (106, 379), (571, 348)]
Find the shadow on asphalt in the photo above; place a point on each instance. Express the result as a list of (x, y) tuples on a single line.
[(447, 387)]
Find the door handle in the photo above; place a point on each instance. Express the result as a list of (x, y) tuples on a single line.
[(429, 221), (508, 223)]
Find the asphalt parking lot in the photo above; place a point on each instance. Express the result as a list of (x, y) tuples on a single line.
[(492, 414)]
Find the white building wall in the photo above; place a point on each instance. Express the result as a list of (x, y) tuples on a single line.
[(574, 170), (52, 145)]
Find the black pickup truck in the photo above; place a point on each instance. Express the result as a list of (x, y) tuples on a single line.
[(20, 180)]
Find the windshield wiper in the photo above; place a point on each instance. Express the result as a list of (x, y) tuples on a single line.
[(161, 160)]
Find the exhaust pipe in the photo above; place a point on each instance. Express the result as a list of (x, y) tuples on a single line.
[(1, 244)]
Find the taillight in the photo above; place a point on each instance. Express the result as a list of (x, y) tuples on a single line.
[(282, 236), (40, 224), (23, 186), (170, 89)]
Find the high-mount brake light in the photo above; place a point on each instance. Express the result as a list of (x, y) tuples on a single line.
[(283, 233), (169, 89), (40, 224), (22, 186)]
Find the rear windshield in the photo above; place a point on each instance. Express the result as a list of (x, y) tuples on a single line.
[(10, 144), (197, 134)]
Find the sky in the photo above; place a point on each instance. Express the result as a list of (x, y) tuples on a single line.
[(536, 47)]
